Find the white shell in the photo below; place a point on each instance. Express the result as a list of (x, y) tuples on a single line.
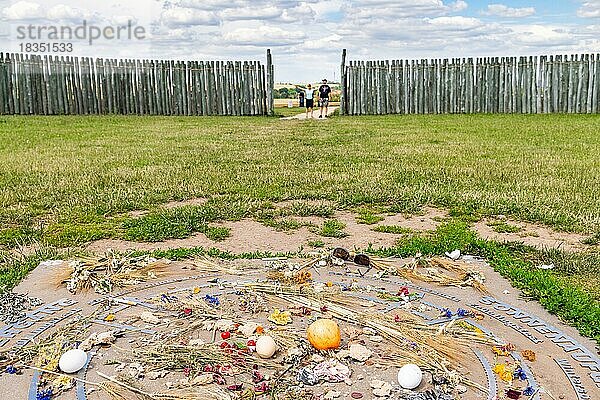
[(455, 255), (410, 376), (266, 346), (72, 361)]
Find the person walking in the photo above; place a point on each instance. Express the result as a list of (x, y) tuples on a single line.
[(309, 99), (324, 91)]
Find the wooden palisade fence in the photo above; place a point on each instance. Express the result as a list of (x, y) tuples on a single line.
[(32, 84), (527, 85)]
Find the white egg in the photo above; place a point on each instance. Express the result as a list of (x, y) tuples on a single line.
[(72, 361), (266, 346), (410, 376)]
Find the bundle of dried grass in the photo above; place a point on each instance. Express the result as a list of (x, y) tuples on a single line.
[(429, 270), (103, 274), (174, 357), (122, 388), (210, 267)]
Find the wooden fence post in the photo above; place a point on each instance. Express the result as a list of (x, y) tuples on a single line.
[(343, 105), (270, 84)]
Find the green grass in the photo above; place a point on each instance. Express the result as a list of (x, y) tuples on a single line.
[(68, 180), (593, 240), (368, 216), (288, 112), (317, 244), (503, 227), (333, 228), (396, 229)]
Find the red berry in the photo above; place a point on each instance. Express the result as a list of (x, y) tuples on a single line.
[(224, 345), (225, 335), (251, 343)]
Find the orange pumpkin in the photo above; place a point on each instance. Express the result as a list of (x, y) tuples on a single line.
[(324, 334)]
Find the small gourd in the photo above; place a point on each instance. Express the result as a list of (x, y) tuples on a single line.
[(324, 334)]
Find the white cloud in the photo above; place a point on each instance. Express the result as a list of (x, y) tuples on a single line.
[(175, 17), (459, 5), (589, 9), (262, 13), (501, 10), (123, 20), (263, 36), (455, 23), (24, 10), (63, 12)]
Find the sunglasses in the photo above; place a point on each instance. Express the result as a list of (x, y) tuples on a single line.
[(359, 259)]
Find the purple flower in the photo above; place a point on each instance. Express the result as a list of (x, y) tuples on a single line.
[(461, 312), (11, 370), (212, 300), (44, 395), (446, 312), (529, 391), (520, 374)]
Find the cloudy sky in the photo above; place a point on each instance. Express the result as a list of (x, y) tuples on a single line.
[(306, 37)]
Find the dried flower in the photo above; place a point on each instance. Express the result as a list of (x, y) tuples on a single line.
[(520, 374), (280, 317), (403, 291), (529, 355), (212, 300), (529, 391), (44, 394)]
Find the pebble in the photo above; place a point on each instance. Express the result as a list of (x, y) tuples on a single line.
[(356, 395), (332, 394)]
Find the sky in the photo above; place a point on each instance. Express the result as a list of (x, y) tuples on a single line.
[(307, 37)]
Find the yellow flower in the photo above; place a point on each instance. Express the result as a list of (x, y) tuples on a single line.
[(506, 376), (504, 372), (499, 351), (109, 317), (499, 368), (196, 290), (280, 318)]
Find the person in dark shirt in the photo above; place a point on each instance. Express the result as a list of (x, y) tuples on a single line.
[(324, 91)]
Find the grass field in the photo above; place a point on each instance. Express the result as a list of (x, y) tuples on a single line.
[(288, 112), (59, 174), (68, 180)]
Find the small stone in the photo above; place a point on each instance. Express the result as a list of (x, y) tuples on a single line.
[(359, 352), (343, 354), (157, 374), (203, 379), (356, 395), (461, 389), (149, 318), (381, 388)]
